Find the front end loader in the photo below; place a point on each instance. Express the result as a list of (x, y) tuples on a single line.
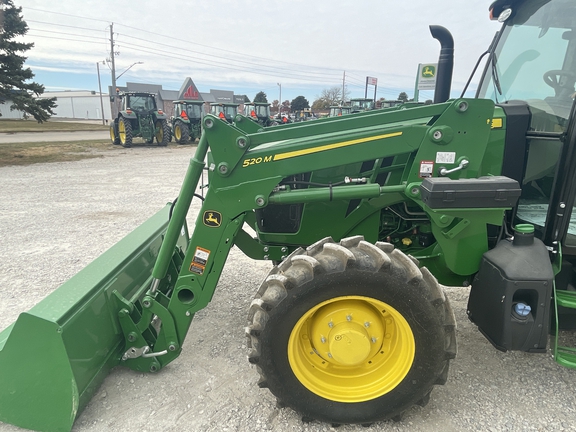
[(364, 217)]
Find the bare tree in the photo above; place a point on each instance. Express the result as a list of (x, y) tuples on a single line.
[(328, 97)]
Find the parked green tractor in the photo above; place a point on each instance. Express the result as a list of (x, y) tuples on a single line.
[(224, 111), (139, 117), (365, 217), (186, 122), (361, 104), (339, 110), (260, 113)]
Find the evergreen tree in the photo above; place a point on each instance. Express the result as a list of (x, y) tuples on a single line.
[(15, 80), (299, 103), (261, 97)]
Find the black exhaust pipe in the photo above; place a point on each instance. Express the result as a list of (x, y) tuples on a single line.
[(445, 63)]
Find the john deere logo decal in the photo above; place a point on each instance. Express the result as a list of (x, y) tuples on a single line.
[(212, 219), (428, 72)]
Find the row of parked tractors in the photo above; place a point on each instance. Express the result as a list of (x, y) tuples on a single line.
[(139, 116)]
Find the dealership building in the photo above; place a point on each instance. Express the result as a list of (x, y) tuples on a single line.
[(91, 105)]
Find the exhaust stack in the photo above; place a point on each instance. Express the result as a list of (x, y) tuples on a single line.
[(445, 63)]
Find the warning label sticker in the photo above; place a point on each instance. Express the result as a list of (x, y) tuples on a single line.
[(426, 169), (198, 264), (445, 157)]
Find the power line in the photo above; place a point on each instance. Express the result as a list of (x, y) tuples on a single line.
[(67, 34), (227, 59), (62, 25), (67, 39), (64, 14), (150, 50)]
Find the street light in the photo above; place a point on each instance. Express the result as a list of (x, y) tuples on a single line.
[(133, 64), (280, 99), (100, 90)]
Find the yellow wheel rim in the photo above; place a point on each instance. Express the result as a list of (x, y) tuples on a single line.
[(112, 137), (177, 133), (351, 349), (160, 132), (122, 132)]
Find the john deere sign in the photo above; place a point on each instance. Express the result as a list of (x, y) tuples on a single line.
[(427, 76)]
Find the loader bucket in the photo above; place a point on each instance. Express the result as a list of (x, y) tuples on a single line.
[(55, 356)]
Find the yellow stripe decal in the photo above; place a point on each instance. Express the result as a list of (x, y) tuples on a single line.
[(497, 123), (292, 154)]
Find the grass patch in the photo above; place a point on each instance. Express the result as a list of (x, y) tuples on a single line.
[(13, 126), (43, 152), (65, 151)]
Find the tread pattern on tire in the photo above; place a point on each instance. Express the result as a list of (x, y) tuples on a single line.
[(184, 132), (327, 256), (128, 132)]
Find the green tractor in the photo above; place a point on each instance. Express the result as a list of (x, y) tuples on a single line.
[(364, 218), (139, 117), (186, 122), (304, 114), (224, 111), (339, 110), (260, 113), (361, 104)]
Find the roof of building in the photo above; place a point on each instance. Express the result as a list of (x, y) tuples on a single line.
[(71, 93)]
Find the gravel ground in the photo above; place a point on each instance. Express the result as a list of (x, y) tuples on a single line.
[(56, 218)]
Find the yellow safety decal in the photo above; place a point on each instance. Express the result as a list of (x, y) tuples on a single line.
[(198, 264), (497, 123), (303, 152)]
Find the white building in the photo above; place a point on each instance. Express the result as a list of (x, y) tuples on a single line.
[(80, 104)]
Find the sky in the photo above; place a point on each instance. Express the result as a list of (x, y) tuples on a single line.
[(285, 49)]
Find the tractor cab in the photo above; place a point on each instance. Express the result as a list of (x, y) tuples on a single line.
[(191, 110), (138, 102), (225, 111), (339, 110), (361, 104), (531, 76), (259, 112), (390, 103), (304, 115)]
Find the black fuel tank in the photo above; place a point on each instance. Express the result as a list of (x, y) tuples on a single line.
[(510, 295)]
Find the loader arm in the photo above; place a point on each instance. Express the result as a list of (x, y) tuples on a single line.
[(245, 169)]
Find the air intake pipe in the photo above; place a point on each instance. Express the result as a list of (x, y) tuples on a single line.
[(445, 63)]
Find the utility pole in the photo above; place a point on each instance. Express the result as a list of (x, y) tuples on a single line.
[(100, 90), (343, 85)]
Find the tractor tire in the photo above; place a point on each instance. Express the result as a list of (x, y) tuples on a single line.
[(162, 132), (351, 332), (113, 135), (125, 132), (181, 132)]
